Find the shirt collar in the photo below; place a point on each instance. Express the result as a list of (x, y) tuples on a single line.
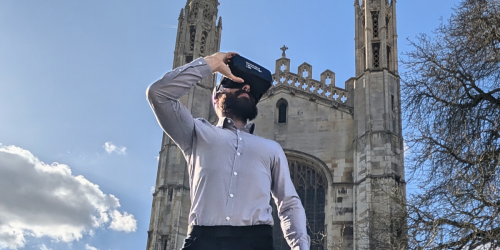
[(226, 122)]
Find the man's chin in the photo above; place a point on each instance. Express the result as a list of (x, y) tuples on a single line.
[(248, 114)]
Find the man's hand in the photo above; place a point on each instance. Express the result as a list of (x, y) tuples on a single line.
[(218, 63)]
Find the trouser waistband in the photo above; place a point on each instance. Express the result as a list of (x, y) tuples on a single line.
[(230, 231)]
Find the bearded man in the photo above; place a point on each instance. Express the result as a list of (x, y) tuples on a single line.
[(232, 172)]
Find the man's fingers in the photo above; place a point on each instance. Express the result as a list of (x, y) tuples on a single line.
[(218, 63), (231, 54), (229, 74), (233, 77), (224, 70), (228, 56), (236, 79)]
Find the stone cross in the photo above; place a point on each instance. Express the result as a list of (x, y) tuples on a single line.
[(284, 48)]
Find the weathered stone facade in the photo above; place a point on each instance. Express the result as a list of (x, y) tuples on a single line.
[(344, 146), (198, 34)]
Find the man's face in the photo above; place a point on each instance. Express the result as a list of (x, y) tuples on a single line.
[(237, 102)]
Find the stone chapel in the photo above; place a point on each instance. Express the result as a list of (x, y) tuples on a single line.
[(344, 146)]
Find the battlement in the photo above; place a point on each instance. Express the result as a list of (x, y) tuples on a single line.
[(302, 81)]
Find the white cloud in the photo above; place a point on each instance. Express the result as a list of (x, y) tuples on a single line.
[(43, 247), (152, 189), (157, 158), (11, 237), (89, 247), (110, 148), (123, 222), (171, 26), (42, 200)]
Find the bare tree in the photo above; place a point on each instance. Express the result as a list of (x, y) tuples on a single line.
[(319, 239), (385, 227), (451, 104)]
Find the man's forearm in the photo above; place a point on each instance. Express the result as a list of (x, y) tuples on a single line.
[(293, 223), (290, 210), (177, 82), (163, 95)]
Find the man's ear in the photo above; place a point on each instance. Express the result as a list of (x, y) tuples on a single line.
[(217, 97), (216, 100)]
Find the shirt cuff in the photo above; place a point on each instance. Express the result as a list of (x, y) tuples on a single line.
[(303, 245), (202, 66)]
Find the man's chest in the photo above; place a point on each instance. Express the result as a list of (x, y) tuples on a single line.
[(224, 154)]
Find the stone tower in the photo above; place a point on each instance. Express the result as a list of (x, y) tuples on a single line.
[(198, 35), (378, 169)]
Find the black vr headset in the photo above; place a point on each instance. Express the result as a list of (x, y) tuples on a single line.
[(257, 77)]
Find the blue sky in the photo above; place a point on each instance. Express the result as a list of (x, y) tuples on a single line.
[(73, 76)]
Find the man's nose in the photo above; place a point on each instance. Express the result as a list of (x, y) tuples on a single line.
[(246, 87)]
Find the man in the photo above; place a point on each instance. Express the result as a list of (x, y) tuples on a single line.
[(232, 172)]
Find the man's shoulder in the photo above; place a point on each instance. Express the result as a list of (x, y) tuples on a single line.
[(203, 125), (202, 122), (268, 142)]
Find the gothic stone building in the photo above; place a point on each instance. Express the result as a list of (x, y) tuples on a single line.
[(344, 146)]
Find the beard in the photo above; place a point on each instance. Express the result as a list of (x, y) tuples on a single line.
[(241, 108)]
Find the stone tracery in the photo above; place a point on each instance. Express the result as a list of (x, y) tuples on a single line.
[(303, 80)]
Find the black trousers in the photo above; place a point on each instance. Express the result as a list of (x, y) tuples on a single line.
[(258, 237)]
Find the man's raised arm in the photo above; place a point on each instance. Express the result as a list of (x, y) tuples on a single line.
[(164, 94)]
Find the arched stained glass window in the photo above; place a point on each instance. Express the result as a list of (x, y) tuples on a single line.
[(282, 105), (311, 185)]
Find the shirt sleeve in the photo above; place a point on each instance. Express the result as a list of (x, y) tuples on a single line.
[(290, 210), (164, 94)]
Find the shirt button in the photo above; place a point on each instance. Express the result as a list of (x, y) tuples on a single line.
[(231, 195), (235, 173), (227, 218), (238, 153), (240, 138)]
